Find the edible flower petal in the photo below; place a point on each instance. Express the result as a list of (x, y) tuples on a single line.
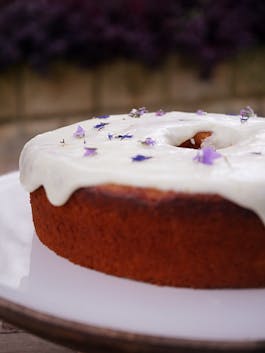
[(246, 113), (80, 132), (140, 158), (207, 155), (100, 126), (160, 112), (142, 110), (136, 113), (201, 112), (148, 141), (103, 116), (90, 151), (122, 137), (110, 136)]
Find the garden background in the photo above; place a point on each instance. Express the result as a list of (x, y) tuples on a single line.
[(64, 61)]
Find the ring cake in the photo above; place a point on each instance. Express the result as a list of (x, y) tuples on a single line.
[(173, 198)]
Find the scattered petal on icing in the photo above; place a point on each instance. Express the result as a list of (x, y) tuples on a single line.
[(140, 158), (80, 132), (246, 113), (142, 110), (90, 151), (201, 112), (148, 141), (122, 137), (110, 136), (103, 116), (100, 126), (207, 155), (160, 112), (136, 113)]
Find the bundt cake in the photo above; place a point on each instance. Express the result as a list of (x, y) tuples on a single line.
[(172, 198)]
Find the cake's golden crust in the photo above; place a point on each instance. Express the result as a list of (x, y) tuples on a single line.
[(199, 241)]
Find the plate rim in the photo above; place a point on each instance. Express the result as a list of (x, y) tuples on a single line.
[(83, 336)]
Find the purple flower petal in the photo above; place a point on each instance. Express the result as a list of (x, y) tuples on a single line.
[(103, 116), (142, 110), (201, 112), (140, 158), (100, 126), (110, 136), (246, 113), (136, 113), (122, 137), (148, 141), (160, 112), (207, 155), (80, 132), (90, 151)]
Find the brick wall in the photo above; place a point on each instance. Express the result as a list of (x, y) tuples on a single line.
[(30, 103)]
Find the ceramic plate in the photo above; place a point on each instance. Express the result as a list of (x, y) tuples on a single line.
[(67, 303)]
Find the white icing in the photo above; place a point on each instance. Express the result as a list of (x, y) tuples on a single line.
[(239, 176)]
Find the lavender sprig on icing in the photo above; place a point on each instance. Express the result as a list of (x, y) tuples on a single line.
[(137, 113), (246, 113), (148, 141), (100, 126), (140, 158), (90, 151), (207, 155), (80, 132)]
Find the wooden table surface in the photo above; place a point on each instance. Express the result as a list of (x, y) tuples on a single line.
[(15, 340)]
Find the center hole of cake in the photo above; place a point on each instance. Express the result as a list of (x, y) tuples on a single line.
[(196, 141)]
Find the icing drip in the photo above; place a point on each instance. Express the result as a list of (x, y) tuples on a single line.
[(238, 176)]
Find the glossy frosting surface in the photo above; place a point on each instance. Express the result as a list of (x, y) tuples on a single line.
[(56, 159)]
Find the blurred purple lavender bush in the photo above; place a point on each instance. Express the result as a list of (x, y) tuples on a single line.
[(87, 33)]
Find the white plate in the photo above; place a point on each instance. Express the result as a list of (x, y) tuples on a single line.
[(35, 277)]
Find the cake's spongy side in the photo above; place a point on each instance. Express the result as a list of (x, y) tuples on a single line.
[(167, 238)]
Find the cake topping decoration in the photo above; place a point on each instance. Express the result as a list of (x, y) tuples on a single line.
[(140, 158), (160, 112), (62, 142), (122, 137), (207, 155), (148, 141), (110, 136), (103, 116), (136, 113), (246, 113), (201, 112), (100, 126), (80, 132), (90, 151)]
